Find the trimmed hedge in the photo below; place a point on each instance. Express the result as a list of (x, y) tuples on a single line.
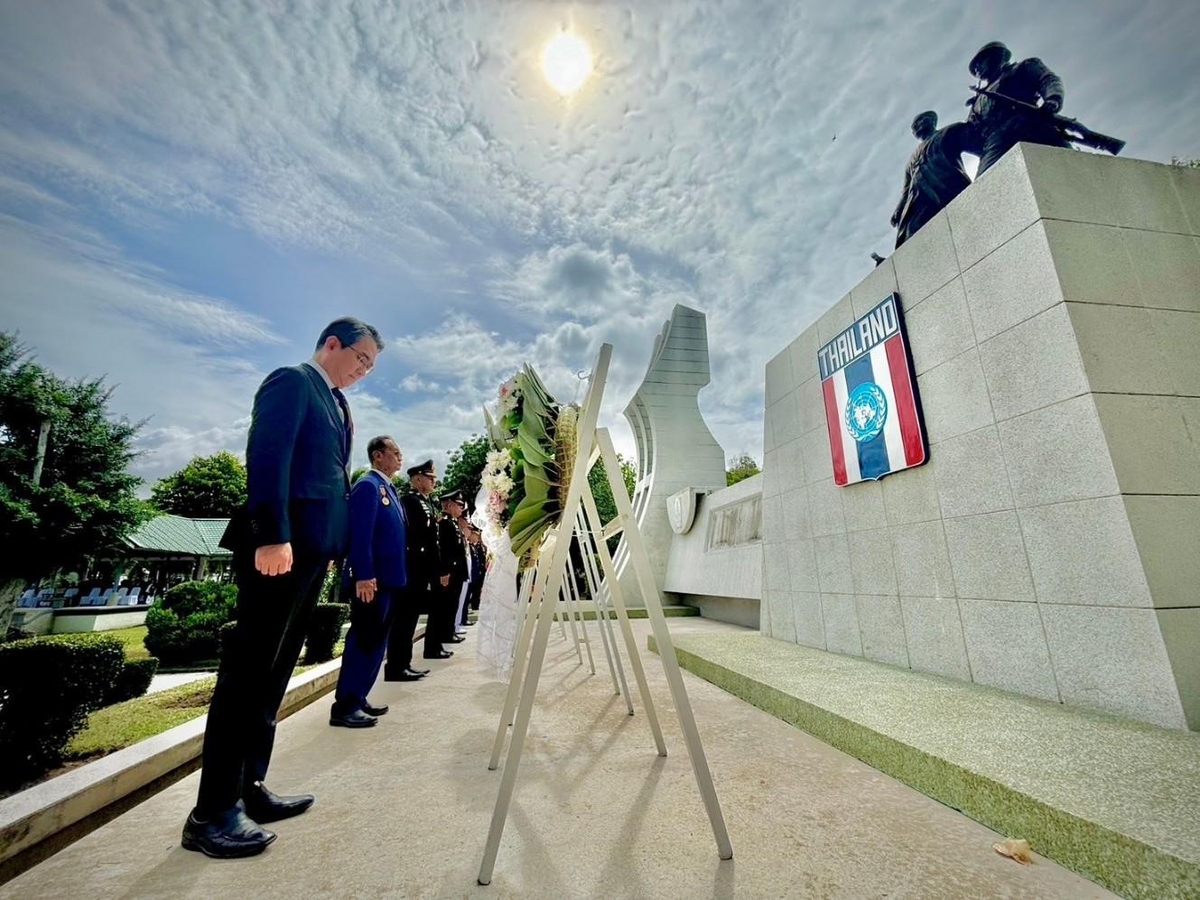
[(324, 631), (47, 688), (184, 625), (225, 637), (132, 681)]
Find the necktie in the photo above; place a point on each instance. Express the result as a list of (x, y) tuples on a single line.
[(341, 399), (347, 422)]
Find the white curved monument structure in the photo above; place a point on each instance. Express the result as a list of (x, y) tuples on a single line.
[(675, 449)]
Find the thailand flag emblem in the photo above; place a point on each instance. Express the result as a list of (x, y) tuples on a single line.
[(871, 403)]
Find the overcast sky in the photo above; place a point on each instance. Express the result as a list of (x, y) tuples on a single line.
[(190, 191)]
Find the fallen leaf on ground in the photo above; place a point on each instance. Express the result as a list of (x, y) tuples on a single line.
[(1015, 848)]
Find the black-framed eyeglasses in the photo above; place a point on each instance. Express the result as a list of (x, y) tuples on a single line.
[(363, 360)]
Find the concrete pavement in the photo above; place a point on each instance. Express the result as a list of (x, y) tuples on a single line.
[(403, 809)]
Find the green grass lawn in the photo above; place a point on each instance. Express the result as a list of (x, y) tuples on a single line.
[(134, 720), (122, 724), (133, 639)]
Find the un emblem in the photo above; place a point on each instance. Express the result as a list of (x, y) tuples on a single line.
[(866, 412)]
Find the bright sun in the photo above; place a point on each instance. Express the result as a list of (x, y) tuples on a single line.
[(566, 62)]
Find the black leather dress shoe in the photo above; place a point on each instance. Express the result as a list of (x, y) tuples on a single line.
[(457, 639), (356, 719), (441, 654), (374, 710), (264, 806), (231, 835), (406, 675)]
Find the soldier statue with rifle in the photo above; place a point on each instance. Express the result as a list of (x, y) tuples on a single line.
[(1021, 101)]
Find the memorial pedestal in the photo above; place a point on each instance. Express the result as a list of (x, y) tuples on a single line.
[(1051, 545)]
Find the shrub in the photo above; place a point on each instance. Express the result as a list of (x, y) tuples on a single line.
[(225, 637), (324, 631), (132, 681), (47, 688), (332, 588), (183, 626)]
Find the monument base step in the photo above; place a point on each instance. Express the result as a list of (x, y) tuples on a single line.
[(635, 612), (1114, 799)]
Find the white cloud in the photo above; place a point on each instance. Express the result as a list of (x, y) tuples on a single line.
[(414, 384), (175, 358), (741, 158)]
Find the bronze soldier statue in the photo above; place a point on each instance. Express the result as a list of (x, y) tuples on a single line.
[(935, 173), (1021, 102)]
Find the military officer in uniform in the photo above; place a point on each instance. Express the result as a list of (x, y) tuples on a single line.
[(420, 520), (452, 557), (478, 571)]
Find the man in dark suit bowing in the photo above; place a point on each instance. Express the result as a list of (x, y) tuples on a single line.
[(294, 525), (378, 574)]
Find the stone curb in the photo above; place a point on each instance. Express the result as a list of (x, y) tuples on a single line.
[(40, 821), (1122, 863)]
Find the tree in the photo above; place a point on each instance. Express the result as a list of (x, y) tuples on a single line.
[(1185, 163), (465, 469), (399, 480), (65, 494), (208, 487), (598, 481), (741, 468)]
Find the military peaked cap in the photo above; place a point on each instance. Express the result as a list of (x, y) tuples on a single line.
[(451, 495), (425, 468)]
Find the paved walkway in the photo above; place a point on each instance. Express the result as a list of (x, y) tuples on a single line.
[(1109, 797), (403, 809), (174, 679)]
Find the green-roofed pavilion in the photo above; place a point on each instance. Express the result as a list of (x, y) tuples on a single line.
[(174, 539)]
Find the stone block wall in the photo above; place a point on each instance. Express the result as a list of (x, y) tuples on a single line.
[(1051, 546), (700, 564)]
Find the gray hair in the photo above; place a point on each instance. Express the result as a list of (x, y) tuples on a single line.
[(378, 445), (350, 331)]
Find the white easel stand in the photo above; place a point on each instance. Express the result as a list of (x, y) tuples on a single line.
[(535, 631)]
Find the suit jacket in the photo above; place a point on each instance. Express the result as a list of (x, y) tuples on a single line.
[(297, 458), (421, 532), (377, 533)]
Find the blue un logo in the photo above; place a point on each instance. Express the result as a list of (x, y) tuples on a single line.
[(866, 412)]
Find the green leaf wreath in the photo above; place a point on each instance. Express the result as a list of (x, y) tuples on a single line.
[(529, 468)]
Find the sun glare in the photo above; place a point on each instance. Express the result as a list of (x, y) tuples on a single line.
[(567, 62)]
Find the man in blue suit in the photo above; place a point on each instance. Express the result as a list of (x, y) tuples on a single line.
[(377, 570), (293, 527)]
